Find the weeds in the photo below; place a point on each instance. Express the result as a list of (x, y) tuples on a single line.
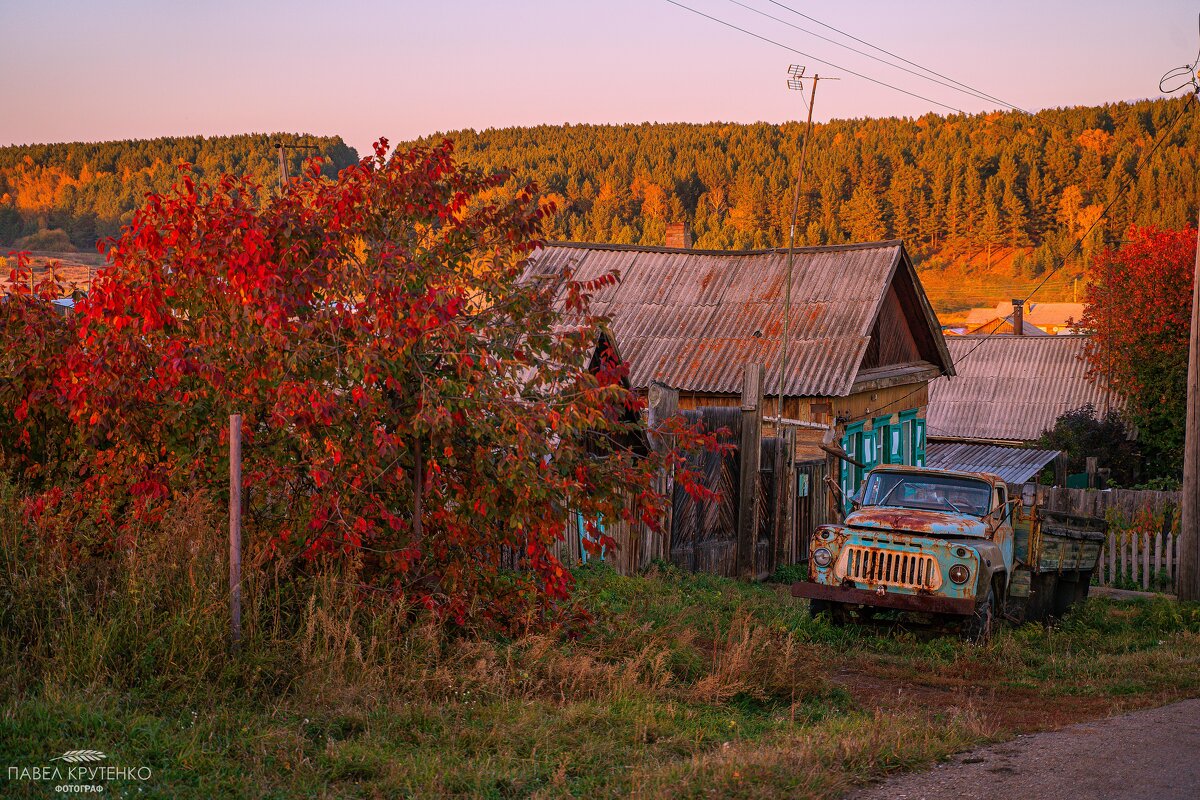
[(684, 685)]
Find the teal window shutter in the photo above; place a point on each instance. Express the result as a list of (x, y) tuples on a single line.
[(908, 437), (853, 444), (887, 438), (919, 449)]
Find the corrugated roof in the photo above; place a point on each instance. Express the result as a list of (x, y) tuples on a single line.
[(1013, 387), (1005, 325), (1048, 314), (693, 318), (1013, 464)]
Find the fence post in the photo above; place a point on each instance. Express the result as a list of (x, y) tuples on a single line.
[(1171, 560), (235, 530), (1158, 542), (1146, 561), (1112, 558), (749, 462), (1122, 548)]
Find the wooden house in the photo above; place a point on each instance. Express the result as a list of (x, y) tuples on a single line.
[(863, 341)]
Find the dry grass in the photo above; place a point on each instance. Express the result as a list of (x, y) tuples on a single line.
[(685, 686)]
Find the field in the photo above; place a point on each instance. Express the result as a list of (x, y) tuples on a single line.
[(682, 686)]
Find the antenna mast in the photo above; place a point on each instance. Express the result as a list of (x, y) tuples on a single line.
[(795, 83)]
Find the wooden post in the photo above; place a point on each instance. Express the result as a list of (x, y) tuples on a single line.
[(1146, 561), (235, 530), (749, 458), (1158, 542), (1189, 528), (1093, 464), (784, 488), (1123, 552), (1112, 559), (1171, 560), (1060, 469)]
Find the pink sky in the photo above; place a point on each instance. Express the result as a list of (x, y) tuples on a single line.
[(86, 71)]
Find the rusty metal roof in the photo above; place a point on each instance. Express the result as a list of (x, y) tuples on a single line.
[(1012, 388), (1012, 464), (693, 318)]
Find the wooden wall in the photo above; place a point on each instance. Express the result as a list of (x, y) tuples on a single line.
[(823, 410)]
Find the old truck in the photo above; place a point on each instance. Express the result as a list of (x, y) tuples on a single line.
[(951, 547)]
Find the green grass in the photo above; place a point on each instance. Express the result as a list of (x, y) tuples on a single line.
[(678, 689), (683, 686)]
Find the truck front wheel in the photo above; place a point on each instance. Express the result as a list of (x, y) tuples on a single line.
[(980, 625), (834, 610)]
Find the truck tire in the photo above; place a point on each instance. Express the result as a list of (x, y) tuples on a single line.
[(981, 625), (834, 610), (1069, 591)]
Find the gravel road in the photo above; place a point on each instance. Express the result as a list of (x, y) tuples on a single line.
[(1146, 755)]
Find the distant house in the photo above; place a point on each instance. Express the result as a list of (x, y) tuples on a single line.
[(864, 341), (1006, 391), (1050, 318)]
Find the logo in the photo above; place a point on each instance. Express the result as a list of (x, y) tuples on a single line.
[(80, 772), (81, 756)]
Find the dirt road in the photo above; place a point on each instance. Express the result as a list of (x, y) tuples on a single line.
[(1146, 755)]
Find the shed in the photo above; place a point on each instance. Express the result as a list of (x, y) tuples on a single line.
[(1009, 389), (1015, 465)]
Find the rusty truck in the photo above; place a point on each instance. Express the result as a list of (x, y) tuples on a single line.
[(953, 547)]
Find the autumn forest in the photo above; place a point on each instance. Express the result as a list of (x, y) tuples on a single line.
[(984, 202)]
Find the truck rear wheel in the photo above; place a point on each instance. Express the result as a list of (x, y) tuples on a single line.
[(980, 625), (1070, 591)]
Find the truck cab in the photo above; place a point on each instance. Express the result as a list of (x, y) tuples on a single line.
[(928, 541)]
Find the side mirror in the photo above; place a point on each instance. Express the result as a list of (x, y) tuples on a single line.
[(856, 502)]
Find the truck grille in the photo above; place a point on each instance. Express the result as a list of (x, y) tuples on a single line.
[(888, 568)]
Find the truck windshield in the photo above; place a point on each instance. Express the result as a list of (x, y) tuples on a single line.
[(928, 492)]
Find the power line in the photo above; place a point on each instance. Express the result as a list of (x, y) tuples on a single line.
[(811, 57), (1126, 183), (952, 84), (976, 92)]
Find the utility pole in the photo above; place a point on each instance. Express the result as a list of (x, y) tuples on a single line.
[(283, 171), (795, 83), (1188, 577), (235, 531)]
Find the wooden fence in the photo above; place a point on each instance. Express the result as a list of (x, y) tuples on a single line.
[(1142, 550), (1146, 561)]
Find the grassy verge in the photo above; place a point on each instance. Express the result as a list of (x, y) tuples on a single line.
[(685, 686)]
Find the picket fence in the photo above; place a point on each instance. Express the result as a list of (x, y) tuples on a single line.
[(1146, 561), (1142, 551)]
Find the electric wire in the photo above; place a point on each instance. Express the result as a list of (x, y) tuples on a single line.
[(952, 85), (965, 87), (1126, 183), (811, 57)]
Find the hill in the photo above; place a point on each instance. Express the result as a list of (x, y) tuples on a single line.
[(986, 203), (63, 197)]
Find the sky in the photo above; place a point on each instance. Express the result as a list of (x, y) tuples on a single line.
[(90, 71)]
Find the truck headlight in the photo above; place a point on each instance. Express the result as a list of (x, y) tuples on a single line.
[(959, 573), (821, 556)]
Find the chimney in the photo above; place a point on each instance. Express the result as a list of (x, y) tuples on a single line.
[(1018, 317), (679, 234)]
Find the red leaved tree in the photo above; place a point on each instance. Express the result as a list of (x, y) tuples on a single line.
[(412, 407), (1139, 309), (35, 434)]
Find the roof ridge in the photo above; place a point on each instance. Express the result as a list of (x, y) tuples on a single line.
[(641, 248)]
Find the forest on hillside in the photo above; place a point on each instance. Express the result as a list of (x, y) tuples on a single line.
[(66, 196), (987, 203), (1001, 190)]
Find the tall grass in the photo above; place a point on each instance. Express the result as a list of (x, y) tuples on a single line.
[(152, 620)]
